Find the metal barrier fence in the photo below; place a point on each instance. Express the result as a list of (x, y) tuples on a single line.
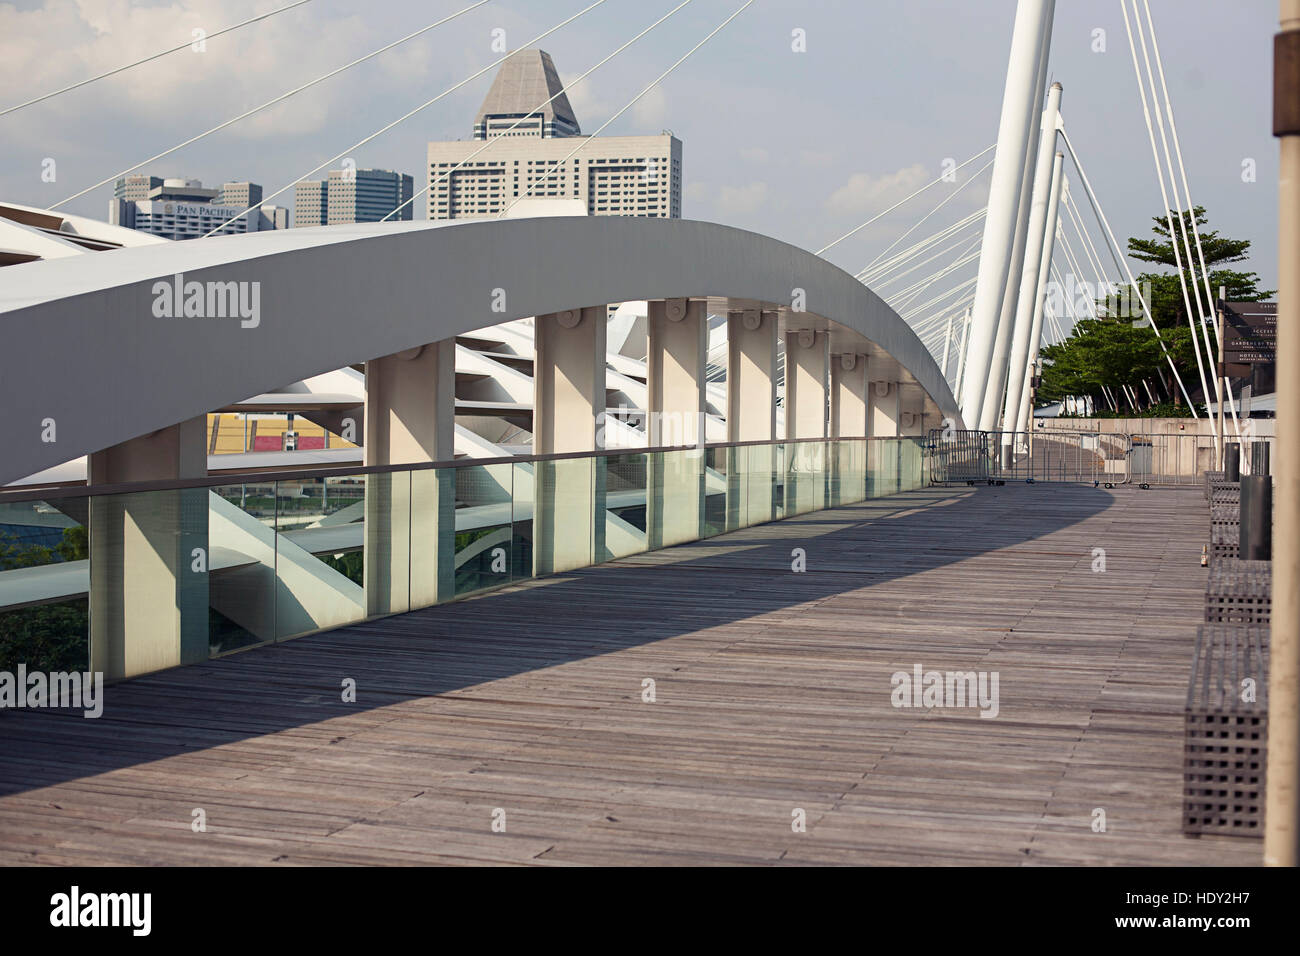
[(958, 457)]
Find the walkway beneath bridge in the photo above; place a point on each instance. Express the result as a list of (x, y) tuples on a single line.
[(772, 693)]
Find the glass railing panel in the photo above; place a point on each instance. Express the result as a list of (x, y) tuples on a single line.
[(148, 581), (630, 510), (805, 478), (892, 465), (568, 523), (242, 592), (676, 496), (424, 524), (756, 485), (909, 467), (716, 477), (322, 546), (848, 479), (775, 468), (245, 563), (738, 487), (44, 585), (484, 533), (873, 468), (522, 495)]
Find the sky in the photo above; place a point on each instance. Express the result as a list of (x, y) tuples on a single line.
[(799, 144)]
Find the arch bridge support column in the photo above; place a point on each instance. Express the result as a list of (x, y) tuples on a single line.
[(912, 411), (883, 409), (410, 418), (751, 416), (912, 424), (807, 386), (149, 554), (884, 415), (675, 378), (568, 417), (848, 420)]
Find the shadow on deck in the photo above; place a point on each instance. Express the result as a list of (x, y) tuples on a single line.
[(772, 696)]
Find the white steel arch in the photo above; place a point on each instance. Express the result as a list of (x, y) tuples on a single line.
[(87, 351)]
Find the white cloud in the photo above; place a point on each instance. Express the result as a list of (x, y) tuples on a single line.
[(187, 90), (584, 98), (754, 154), (819, 159), (865, 192), (742, 200), (651, 111)]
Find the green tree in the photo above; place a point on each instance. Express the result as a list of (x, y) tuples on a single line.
[(1108, 353), (48, 637)]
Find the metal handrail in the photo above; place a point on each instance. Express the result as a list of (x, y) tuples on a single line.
[(48, 493)]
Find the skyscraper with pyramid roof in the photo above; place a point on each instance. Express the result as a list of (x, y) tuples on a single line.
[(528, 165)]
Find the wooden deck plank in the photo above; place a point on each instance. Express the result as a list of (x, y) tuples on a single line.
[(772, 693)]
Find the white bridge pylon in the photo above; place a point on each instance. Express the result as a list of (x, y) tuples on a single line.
[(1006, 227)]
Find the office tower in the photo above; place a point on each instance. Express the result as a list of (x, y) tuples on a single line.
[(608, 176)]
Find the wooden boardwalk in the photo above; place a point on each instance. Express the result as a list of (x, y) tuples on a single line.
[(772, 694)]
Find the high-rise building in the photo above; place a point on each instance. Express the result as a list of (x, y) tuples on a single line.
[(242, 195), (274, 217), (310, 207), (134, 188), (353, 195), (184, 209), (610, 176)]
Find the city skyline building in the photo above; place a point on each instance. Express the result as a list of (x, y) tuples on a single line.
[(354, 195), (609, 176), (183, 208)]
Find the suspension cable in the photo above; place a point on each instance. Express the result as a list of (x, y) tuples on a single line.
[(266, 105), (401, 119), (151, 57)]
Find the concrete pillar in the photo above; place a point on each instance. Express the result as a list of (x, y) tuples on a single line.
[(751, 376), (884, 416), (568, 415), (410, 516), (677, 333), (848, 421), (911, 424), (149, 555), (883, 410), (807, 386), (675, 379), (848, 395), (911, 403), (751, 416), (807, 361)]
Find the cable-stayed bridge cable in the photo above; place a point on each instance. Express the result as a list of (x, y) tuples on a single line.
[(540, 106), (630, 103), (269, 103), (153, 56), (403, 118)]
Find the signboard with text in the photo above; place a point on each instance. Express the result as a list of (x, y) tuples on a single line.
[(1250, 333)]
